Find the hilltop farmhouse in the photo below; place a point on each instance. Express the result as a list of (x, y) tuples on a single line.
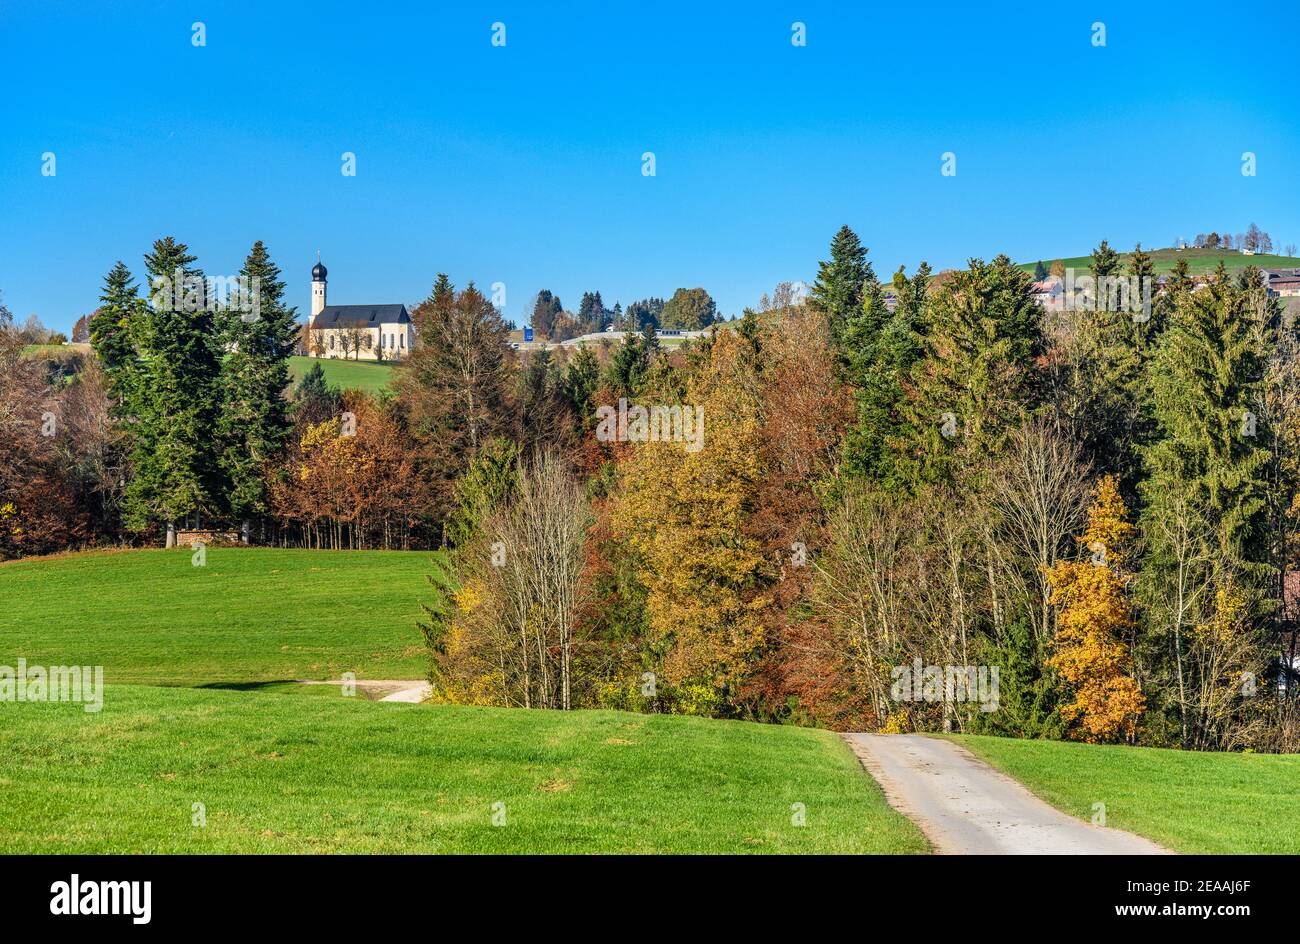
[(355, 332)]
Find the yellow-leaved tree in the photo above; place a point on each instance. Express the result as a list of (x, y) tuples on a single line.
[(1093, 612), (684, 512)]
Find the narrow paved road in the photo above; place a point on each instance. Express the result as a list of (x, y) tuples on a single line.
[(964, 806)]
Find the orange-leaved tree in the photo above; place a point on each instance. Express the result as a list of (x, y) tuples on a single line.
[(1092, 614)]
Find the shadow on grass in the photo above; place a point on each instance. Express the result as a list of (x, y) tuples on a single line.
[(300, 687), (249, 686)]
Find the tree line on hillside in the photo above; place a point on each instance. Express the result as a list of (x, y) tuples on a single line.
[(1095, 508), (184, 420), (1253, 239), (180, 420), (688, 309), (931, 470)]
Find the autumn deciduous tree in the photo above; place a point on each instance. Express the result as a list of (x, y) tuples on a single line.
[(1093, 613), (1226, 664), (349, 482), (454, 388), (510, 635), (804, 408), (1037, 496), (689, 308), (92, 447), (685, 515), (862, 595), (896, 581), (39, 512)]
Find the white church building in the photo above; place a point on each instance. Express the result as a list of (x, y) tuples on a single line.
[(355, 332)]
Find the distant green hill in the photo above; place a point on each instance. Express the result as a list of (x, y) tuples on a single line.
[(346, 375), (280, 767), (55, 350), (1198, 260)]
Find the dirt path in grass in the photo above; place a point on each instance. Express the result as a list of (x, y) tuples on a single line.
[(407, 690), (964, 806), (416, 693)]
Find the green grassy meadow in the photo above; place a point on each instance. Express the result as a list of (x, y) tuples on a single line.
[(55, 350), (283, 767), (280, 774), (248, 615), (1187, 801), (369, 376), (200, 707), (1199, 261)]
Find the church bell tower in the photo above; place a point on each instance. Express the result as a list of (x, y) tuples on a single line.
[(318, 274)]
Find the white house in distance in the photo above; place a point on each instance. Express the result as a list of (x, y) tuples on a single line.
[(1050, 293), (355, 332)]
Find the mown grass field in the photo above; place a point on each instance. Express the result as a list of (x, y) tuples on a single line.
[(346, 375), (281, 767), (247, 615), (369, 376), (289, 775), (200, 709), (1199, 261), (1189, 802)]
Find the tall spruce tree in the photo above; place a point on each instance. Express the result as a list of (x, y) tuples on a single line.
[(979, 376), (1206, 575), (444, 293), (1111, 405), (252, 422), (631, 362), (591, 312), (1180, 280), (841, 280), (643, 312), (880, 348), (1206, 379), (1105, 262), (1150, 309), (581, 379), (544, 415), (546, 308), (111, 328), (174, 472), (314, 400)]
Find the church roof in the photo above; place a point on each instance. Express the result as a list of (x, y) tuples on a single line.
[(361, 316)]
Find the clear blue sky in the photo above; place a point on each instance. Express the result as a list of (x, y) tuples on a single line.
[(522, 164)]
